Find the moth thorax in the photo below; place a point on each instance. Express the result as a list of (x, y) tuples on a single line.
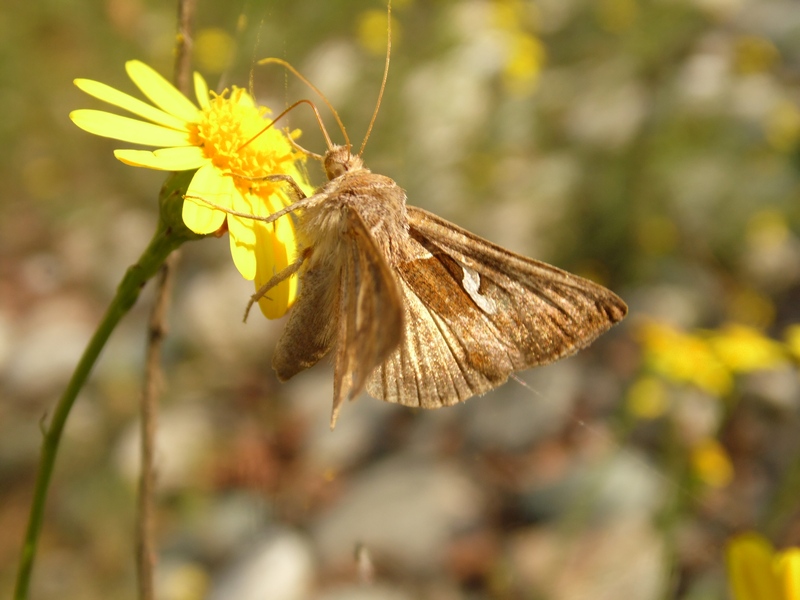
[(338, 161)]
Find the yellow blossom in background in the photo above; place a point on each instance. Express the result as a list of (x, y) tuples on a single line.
[(757, 572), (684, 358), (225, 140), (783, 126), (525, 61), (617, 16), (792, 335), (767, 229), (525, 53), (711, 359), (745, 349), (748, 306), (647, 398), (371, 31), (711, 463), (213, 49), (755, 54)]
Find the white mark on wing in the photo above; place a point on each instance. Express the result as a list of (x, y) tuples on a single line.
[(472, 283)]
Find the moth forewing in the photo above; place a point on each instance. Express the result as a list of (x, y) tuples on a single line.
[(558, 312), (370, 311), (477, 312)]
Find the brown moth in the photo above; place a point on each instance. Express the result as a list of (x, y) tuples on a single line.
[(416, 310)]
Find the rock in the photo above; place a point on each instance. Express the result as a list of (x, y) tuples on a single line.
[(183, 439), (365, 592), (515, 416), (279, 566), (605, 488), (623, 558), (403, 510)]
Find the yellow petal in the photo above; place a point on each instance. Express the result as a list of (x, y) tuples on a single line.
[(127, 129), (243, 238), (207, 183), (201, 91), (106, 93), (712, 463), (161, 92), (787, 568), (276, 249), (750, 568), (184, 158)]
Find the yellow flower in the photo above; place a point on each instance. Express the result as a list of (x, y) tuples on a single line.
[(647, 398), (225, 140), (757, 572), (711, 463), (745, 349), (792, 336), (683, 357)]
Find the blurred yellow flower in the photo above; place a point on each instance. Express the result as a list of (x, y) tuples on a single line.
[(226, 141), (792, 335), (767, 229), (214, 49), (525, 53), (783, 126), (751, 307), (371, 31), (683, 357), (711, 463), (647, 398), (526, 58), (745, 349), (755, 54), (711, 359), (757, 572), (617, 16)]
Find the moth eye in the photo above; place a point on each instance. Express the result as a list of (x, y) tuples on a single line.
[(333, 169)]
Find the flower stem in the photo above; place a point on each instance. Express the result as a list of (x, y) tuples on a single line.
[(166, 239)]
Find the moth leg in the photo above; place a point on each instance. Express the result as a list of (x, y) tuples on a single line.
[(297, 191), (276, 279), (301, 203)]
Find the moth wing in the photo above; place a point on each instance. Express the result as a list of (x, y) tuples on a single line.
[(476, 312), (311, 327), (370, 313)]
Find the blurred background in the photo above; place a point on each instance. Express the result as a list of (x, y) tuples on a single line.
[(648, 144)]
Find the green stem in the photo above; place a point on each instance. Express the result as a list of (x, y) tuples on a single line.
[(166, 239)]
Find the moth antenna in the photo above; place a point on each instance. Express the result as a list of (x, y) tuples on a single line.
[(385, 75), (316, 90), (297, 146)]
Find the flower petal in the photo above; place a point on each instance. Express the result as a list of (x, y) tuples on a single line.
[(787, 568), (243, 237), (276, 249), (127, 129), (207, 183), (184, 158), (201, 91), (750, 568), (106, 93), (160, 91)]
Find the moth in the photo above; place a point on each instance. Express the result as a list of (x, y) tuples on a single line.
[(416, 310)]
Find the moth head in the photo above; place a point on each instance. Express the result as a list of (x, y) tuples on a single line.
[(338, 160)]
